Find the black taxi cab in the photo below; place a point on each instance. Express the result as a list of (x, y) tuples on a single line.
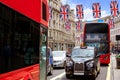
[(83, 61)]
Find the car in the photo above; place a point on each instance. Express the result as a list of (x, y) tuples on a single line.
[(59, 58), (49, 58), (84, 61)]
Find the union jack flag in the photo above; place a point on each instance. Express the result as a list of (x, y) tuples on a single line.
[(50, 12), (67, 25), (96, 10), (81, 36), (111, 23), (78, 39), (79, 12), (64, 10), (114, 8), (78, 25)]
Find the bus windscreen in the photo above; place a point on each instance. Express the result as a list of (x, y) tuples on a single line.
[(98, 35)]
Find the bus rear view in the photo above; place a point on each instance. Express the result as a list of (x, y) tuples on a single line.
[(98, 35)]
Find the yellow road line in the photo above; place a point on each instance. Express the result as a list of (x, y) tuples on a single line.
[(59, 76), (108, 73)]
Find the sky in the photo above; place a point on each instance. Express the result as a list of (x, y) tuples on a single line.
[(87, 7)]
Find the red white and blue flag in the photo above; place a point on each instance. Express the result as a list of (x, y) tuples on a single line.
[(79, 12), (81, 36), (68, 25), (114, 8), (111, 23), (78, 39), (96, 10), (78, 25), (64, 10), (50, 12)]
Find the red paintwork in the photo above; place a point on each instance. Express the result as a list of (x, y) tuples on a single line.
[(104, 60), (29, 8), (31, 72)]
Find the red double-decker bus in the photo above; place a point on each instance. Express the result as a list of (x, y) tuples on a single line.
[(98, 35), (23, 32)]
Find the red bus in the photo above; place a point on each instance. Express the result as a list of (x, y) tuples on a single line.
[(98, 35), (23, 32)]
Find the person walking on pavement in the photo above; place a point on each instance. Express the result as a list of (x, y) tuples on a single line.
[(68, 53)]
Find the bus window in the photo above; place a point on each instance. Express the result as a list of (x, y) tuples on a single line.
[(101, 47), (19, 40)]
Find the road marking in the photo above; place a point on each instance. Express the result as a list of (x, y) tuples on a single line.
[(59, 76), (108, 73)]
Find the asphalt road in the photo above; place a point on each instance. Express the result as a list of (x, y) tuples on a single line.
[(59, 74)]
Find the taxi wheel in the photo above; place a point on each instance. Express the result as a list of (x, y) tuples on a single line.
[(69, 76)]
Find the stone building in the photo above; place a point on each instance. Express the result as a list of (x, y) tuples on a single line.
[(115, 31), (58, 37)]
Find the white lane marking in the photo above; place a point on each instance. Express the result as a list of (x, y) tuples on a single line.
[(108, 73), (59, 76)]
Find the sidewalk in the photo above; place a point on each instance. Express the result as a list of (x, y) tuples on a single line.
[(114, 72)]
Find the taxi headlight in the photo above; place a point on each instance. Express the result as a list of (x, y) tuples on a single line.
[(90, 64)]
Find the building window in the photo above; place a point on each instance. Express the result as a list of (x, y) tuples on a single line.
[(50, 33), (44, 16)]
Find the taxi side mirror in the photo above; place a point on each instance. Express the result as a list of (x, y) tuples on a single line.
[(97, 56), (68, 55)]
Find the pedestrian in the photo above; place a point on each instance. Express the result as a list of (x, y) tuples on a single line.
[(68, 53), (113, 50), (50, 55)]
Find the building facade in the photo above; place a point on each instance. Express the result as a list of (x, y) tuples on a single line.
[(58, 37), (115, 31)]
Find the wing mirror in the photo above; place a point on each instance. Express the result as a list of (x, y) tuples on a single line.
[(98, 55), (68, 55)]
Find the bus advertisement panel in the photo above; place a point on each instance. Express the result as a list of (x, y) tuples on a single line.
[(98, 35)]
